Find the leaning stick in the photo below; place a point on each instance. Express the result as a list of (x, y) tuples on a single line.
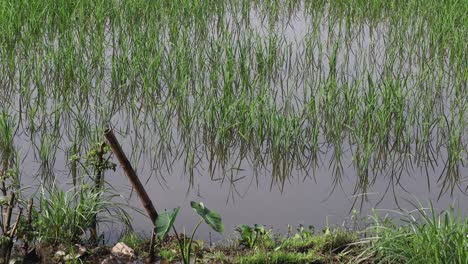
[(131, 174)]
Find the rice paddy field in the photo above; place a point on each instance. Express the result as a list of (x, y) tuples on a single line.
[(274, 112)]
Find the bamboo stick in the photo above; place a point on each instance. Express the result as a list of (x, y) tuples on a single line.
[(131, 174)]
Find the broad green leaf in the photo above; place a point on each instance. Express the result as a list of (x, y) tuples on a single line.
[(212, 218), (164, 222), (245, 231)]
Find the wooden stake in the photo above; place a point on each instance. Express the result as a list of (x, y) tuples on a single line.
[(151, 256), (131, 174)]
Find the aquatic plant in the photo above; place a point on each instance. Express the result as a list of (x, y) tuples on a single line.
[(250, 235), (165, 222)]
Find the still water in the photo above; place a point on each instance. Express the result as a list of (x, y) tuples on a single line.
[(185, 128)]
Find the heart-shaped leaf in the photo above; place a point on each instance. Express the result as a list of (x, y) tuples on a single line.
[(164, 223), (245, 232), (212, 218)]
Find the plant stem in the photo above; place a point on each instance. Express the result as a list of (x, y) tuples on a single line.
[(191, 239)]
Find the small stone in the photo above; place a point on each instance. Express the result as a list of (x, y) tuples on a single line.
[(122, 249), (60, 254)]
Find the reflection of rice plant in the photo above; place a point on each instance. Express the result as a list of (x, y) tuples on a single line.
[(230, 79)]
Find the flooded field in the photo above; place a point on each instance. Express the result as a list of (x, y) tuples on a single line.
[(271, 112)]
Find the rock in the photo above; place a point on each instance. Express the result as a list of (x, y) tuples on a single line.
[(60, 254), (70, 257), (122, 249)]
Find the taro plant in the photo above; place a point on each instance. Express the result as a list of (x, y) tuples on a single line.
[(166, 221), (250, 235)]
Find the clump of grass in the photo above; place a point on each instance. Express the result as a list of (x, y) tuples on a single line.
[(220, 257), (303, 247), (168, 254), (66, 216), (430, 238), (337, 240)]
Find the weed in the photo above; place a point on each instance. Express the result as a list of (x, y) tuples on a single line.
[(251, 235), (432, 237), (133, 240), (66, 216)]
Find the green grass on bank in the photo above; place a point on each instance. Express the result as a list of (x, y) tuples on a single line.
[(431, 238), (422, 237)]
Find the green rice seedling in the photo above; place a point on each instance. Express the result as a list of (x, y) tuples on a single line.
[(275, 84)]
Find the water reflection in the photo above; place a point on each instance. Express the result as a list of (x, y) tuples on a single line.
[(252, 109)]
